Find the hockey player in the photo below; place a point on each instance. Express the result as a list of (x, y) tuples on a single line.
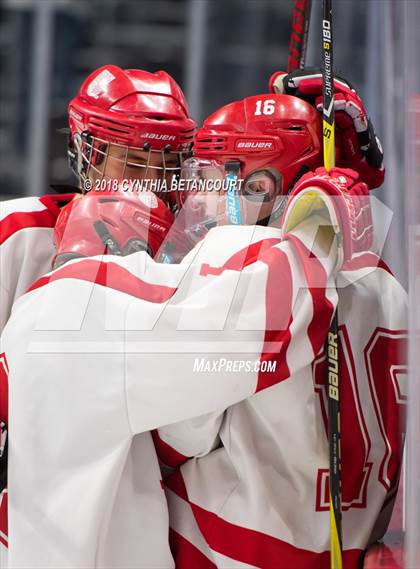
[(271, 169), (126, 125), (256, 491), (151, 348)]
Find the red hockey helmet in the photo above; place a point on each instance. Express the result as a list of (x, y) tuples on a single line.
[(117, 223), (119, 112), (267, 141)]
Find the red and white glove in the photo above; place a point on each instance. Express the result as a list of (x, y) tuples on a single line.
[(357, 146), (342, 199)]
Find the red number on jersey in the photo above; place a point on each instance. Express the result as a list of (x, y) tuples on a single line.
[(355, 440), (386, 371), (386, 368)]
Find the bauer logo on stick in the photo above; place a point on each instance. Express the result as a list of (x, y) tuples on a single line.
[(333, 365)]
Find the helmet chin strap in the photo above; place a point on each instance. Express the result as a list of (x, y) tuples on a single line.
[(110, 242), (302, 170), (274, 215), (265, 222), (233, 204)]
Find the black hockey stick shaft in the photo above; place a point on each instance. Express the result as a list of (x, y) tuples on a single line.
[(333, 380), (327, 86), (333, 384), (299, 36)]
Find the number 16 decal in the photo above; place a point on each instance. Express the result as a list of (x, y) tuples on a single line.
[(265, 107)]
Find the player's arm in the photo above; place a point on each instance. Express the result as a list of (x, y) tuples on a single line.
[(197, 437), (86, 389), (163, 387), (321, 207)]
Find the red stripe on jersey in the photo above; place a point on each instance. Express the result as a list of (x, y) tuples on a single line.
[(323, 309), (278, 302), (24, 220), (240, 259), (109, 275), (250, 546), (54, 202), (249, 254), (186, 555), (167, 454), (279, 296), (175, 482), (366, 261)]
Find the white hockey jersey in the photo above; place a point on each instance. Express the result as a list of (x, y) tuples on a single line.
[(26, 253), (104, 349), (26, 244), (256, 495)]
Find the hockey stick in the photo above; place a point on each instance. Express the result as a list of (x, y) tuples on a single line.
[(332, 342), (299, 35), (297, 56)]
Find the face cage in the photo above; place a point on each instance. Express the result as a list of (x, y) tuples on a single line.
[(89, 151)]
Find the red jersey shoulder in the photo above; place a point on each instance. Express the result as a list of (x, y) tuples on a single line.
[(23, 213), (367, 260)]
